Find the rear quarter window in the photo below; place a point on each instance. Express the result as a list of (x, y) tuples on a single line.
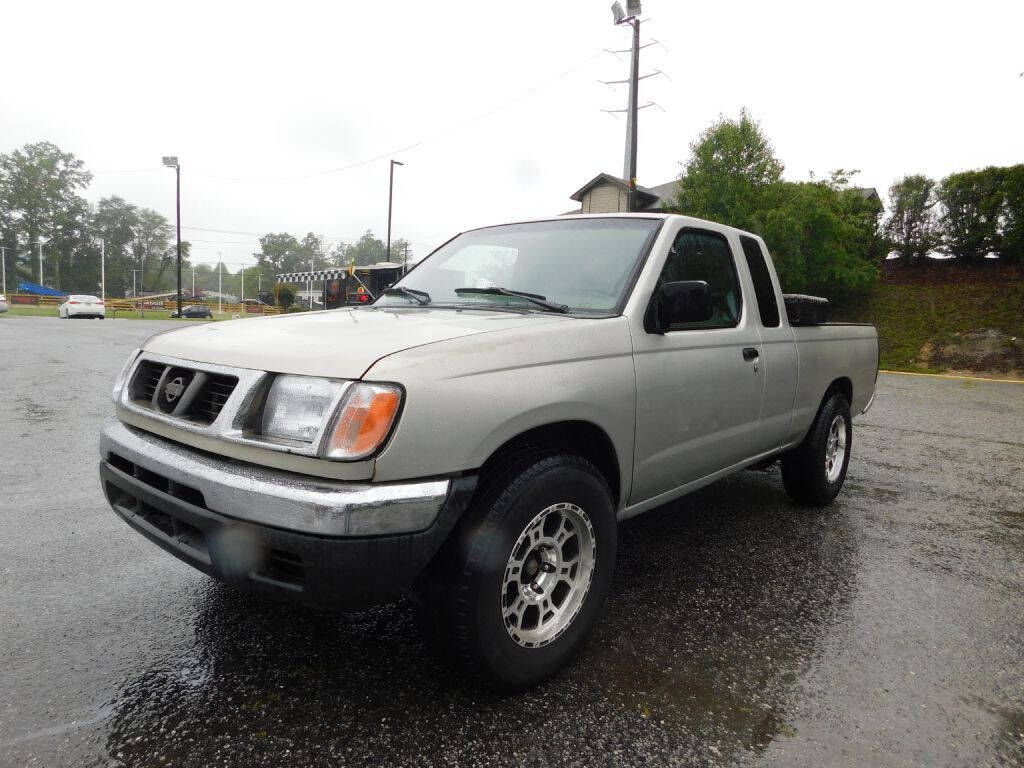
[(767, 305)]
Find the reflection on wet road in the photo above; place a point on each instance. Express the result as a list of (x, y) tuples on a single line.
[(885, 630)]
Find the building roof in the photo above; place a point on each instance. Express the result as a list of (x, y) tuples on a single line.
[(646, 198), (868, 193)]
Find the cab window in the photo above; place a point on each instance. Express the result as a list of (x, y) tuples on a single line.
[(701, 255)]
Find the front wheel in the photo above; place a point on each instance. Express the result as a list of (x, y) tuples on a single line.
[(521, 586), (814, 471)]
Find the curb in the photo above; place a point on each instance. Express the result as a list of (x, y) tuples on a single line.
[(951, 376)]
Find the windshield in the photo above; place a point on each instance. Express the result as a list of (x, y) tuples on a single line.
[(584, 264)]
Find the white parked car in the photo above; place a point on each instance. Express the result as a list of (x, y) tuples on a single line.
[(82, 306), (3, 304)]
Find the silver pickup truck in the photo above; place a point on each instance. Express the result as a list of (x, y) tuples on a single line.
[(471, 439)]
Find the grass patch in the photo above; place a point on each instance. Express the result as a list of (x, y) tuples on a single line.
[(909, 316)]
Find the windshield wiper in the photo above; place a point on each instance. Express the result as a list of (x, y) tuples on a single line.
[(420, 297), (533, 298)]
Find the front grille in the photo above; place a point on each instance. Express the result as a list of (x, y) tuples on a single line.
[(214, 394), (147, 376), (214, 389)]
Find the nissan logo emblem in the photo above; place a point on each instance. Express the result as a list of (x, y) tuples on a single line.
[(174, 388)]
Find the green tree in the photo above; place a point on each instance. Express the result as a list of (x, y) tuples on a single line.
[(820, 237), (282, 252), (972, 203), (823, 235), (39, 198), (730, 165), (912, 227), (368, 249), (279, 252), (285, 296), (136, 240), (1011, 243)]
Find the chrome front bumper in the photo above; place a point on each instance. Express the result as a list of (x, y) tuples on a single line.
[(284, 500)]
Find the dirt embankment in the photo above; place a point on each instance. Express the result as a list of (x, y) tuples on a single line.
[(943, 317)]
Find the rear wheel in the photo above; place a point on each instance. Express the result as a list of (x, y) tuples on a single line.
[(516, 592), (813, 472)]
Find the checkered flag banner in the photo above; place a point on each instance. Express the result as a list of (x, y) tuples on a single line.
[(320, 274)]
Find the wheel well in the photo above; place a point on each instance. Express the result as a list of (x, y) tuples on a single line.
[(843, 386), (579, 437)]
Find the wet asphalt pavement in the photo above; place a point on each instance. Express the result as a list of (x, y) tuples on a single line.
[(885, 630)]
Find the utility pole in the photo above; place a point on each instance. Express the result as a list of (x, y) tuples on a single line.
[(405, 259), (103, 270), (243, 285), (220, 292), (310, 285), (193, 283), (631, 16), (630, 162), (172, 162), (391, 186), (3, 264), (40, 243)]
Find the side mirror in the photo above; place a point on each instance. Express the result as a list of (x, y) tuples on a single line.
[(684, 301)]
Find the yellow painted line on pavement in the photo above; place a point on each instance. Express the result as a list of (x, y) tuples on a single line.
[(952, 376)]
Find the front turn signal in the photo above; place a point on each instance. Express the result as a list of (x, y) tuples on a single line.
[(364, 421)]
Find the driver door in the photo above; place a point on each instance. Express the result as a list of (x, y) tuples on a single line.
[(699, 389)]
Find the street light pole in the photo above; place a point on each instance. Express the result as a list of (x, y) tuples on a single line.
[(172, 162), (391, 186), (220, 292), (103, 270), (3, 264), (40, 243)]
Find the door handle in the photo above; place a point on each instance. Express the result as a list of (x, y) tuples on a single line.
[(749, 353)]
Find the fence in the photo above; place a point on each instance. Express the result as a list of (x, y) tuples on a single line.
[(127, 305)]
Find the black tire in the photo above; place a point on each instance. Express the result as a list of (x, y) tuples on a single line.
[(462, 597), (805, 473)]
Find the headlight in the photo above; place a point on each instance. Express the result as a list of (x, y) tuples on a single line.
[(347, 421), (364, 421), (297, 407), (120, 380)]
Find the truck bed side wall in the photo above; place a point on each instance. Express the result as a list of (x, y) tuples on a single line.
[(828, 352)]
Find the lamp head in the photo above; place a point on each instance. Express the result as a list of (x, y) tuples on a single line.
[(170, 162)]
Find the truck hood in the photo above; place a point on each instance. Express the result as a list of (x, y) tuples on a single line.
[(339, 343)]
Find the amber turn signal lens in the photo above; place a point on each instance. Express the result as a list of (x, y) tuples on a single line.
[(364, 420)]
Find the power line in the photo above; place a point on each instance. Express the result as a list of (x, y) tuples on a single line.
[(383, 155)]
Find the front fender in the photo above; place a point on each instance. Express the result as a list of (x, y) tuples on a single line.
[(467, 397)]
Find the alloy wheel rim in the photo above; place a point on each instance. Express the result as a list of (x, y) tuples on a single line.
[(835, 448), (548, 575)]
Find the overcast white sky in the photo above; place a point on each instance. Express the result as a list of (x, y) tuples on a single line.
[(263, 90)]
